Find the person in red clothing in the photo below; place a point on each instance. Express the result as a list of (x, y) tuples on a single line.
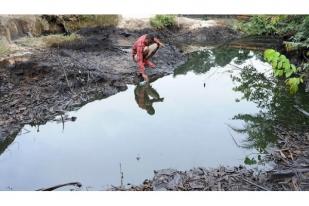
[(144, 48)]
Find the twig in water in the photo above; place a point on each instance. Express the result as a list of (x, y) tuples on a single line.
[(121, 176), (62, 120), (236, 143), (237, 67), (301, 110)]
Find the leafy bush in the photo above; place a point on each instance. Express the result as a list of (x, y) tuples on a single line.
[(280, 64), (163, 21), (302, 35), (282, 67), (303, 31), (279, 25), (293, 84)]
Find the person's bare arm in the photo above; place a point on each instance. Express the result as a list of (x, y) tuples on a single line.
[(159, 42)]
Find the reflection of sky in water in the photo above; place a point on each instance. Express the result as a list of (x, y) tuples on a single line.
[(187, 130)]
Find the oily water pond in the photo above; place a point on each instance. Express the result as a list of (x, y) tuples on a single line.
[(216, 109)]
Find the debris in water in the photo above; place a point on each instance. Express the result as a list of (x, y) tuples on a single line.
[(138, 157)]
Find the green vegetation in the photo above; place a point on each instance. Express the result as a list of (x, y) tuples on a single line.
[(202, 61), (294, 31), (279, 25), (276, 108), (163, 21), (301, 37), (280, 63), (282, 67), (250, 161)]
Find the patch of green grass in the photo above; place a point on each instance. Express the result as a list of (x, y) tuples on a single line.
[(163, 21)]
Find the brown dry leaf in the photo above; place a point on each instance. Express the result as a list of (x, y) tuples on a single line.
[(282, 155), (295, 184), (291, 155)]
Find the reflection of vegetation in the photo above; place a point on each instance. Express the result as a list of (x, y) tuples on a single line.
[(254, 86), (277, 108), (294, 30), (201, 61), (259, 130), (250, 161)]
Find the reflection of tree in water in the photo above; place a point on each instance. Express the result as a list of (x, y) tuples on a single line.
[(145, 96), (201, 61), (277, 107)]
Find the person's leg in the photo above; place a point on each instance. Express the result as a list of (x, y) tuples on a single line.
[(151, 50), (148, 53), (135, 57), (139, 74)]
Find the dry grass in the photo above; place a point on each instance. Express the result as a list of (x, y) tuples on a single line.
[(48, 41), (4, 47), (57, 39), (83, 21)]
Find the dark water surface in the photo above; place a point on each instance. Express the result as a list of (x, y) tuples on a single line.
[(180, 121)]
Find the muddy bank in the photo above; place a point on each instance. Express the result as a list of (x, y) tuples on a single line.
[(202, 179), (39, 83), (290, 172), (38, 86)]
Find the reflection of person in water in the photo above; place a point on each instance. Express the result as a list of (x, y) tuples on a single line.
[(143, 94)]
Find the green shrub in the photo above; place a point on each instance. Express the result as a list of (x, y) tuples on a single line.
[(163, 21), (302, 35), (278, 25), (282, 67), (280, 64)]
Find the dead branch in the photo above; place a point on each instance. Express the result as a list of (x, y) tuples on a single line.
[(77, 184)]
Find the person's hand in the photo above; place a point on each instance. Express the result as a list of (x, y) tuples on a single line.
[(162, 45)]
